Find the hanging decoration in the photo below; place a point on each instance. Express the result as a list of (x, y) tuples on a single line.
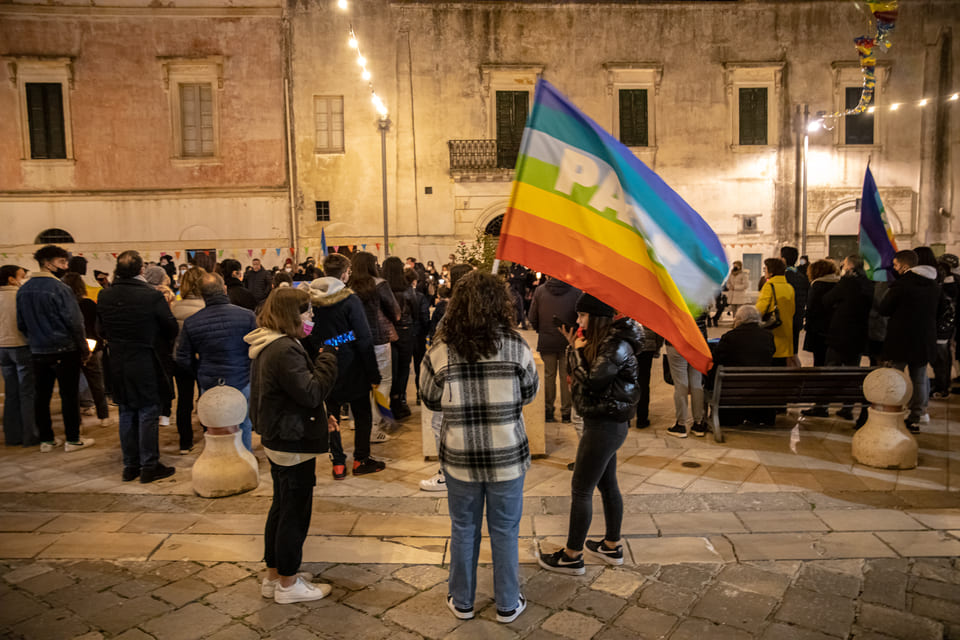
[(883, 18), (178, 255)]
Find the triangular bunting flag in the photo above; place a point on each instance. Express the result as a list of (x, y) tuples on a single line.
[(178, 255)]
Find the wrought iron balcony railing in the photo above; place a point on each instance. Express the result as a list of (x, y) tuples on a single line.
[(479, 155)]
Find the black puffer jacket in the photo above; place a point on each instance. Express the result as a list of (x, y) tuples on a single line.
[(606, 389), (287, 392)]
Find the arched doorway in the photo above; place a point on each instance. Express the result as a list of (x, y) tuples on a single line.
[(493, 227)]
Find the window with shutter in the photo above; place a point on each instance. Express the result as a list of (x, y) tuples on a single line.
[(858, 129), (753, 116), (196, 120), (45, 120), (633, 117), (328, 124), (511, 118)]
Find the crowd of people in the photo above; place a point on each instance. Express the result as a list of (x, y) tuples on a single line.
[(309, 344)]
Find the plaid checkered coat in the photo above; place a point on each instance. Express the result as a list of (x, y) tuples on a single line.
[(482, 437)]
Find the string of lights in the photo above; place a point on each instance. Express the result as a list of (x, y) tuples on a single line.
[(354, 43), (827, 121)]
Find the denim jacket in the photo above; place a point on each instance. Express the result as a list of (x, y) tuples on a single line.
[(48, 314)]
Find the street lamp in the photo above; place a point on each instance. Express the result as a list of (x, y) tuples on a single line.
[(384, 125)]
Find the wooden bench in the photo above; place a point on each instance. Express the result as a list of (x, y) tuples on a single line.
[(775, 387)]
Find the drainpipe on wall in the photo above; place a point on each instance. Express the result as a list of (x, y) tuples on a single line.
[(293, 199)]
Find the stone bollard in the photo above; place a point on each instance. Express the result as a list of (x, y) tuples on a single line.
[(225, 467), (883, 441)]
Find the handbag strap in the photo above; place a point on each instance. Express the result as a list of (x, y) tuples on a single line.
[(773, 290)]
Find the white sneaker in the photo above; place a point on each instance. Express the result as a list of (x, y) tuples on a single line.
[(85, 443), (300, 591), (164, 421), (924, 419), (436, 483), (269, 587), (108, 422), (47, 447), (379, 436)]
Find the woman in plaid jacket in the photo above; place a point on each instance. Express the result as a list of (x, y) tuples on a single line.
[(479, 373)]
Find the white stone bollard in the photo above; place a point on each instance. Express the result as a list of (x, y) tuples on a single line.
[(225, 467), (883, 441)]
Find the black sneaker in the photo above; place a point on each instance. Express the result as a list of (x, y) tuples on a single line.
[(362, 467), (846, 413), (912, 427), (699, 429), (642, 424), (560, 563), (463, 614), (597, 549), (507, 617), (131, 473), (549, 418), (816, 412), (678, 430), (159, 472)]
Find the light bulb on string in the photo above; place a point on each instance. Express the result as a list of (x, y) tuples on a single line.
[(922, 103), (814, 126), (955, 97), (342, 4), (365, 75), (894, 106), (361, 61), (871, 109), (352, 42)]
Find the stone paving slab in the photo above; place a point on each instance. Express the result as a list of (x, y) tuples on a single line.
[(808, 546)]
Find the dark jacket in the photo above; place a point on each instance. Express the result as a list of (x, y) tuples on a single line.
[(817, 317), (239, 295), (134, 318), (911, 304), (849, 303), (211, 344), (409, 309), (801, 287), (88, 308), (438, 312), (745, 346), (287, 391), (382, 312), (258, 283), (422, 327), (48, 315), (339, 321), (606, 389), (555, 298)]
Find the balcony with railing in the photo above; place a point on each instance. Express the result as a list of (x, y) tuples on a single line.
[(482, 160)]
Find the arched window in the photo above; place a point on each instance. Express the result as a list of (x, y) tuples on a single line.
[(54, 236), (493, 227)]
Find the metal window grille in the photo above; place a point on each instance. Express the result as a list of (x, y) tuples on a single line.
[(323, 210), (857, 129), (472, 154), (54, 236), (511, 119)]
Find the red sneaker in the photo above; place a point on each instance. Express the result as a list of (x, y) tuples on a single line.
[(339, 471)]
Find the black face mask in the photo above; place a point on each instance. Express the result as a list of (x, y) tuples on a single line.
[(59, 273)]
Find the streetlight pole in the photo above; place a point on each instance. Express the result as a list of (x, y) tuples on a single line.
[(803, 210), (384, 125)]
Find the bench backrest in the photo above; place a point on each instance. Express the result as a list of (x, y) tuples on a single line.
[(777, 386)]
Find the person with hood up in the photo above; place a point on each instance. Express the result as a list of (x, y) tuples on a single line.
[(554, 302), (603, 365), (823, 278), (911, 304), (287, 396), (340, 321)]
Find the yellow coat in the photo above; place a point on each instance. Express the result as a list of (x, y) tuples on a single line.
[(786, 301)]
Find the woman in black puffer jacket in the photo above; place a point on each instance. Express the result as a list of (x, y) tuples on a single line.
[(603, 366)]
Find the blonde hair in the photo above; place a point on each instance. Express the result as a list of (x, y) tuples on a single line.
[(190, 282)]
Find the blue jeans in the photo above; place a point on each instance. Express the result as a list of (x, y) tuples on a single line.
[(19, 425), (246, 427), (139, 437), (504, 509)]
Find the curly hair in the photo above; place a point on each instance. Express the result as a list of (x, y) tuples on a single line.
[(478, 315), (820, 268)]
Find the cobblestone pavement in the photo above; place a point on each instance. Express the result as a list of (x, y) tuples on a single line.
[(752, 538)]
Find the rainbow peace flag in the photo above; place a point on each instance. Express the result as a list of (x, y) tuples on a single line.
[(877, 244), (584, 209)]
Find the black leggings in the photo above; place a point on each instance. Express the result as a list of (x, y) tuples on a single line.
[(289, 518), (362, 426), (596, 468)]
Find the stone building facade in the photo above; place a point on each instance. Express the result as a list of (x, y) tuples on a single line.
[(157, 126), (244, 125)]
